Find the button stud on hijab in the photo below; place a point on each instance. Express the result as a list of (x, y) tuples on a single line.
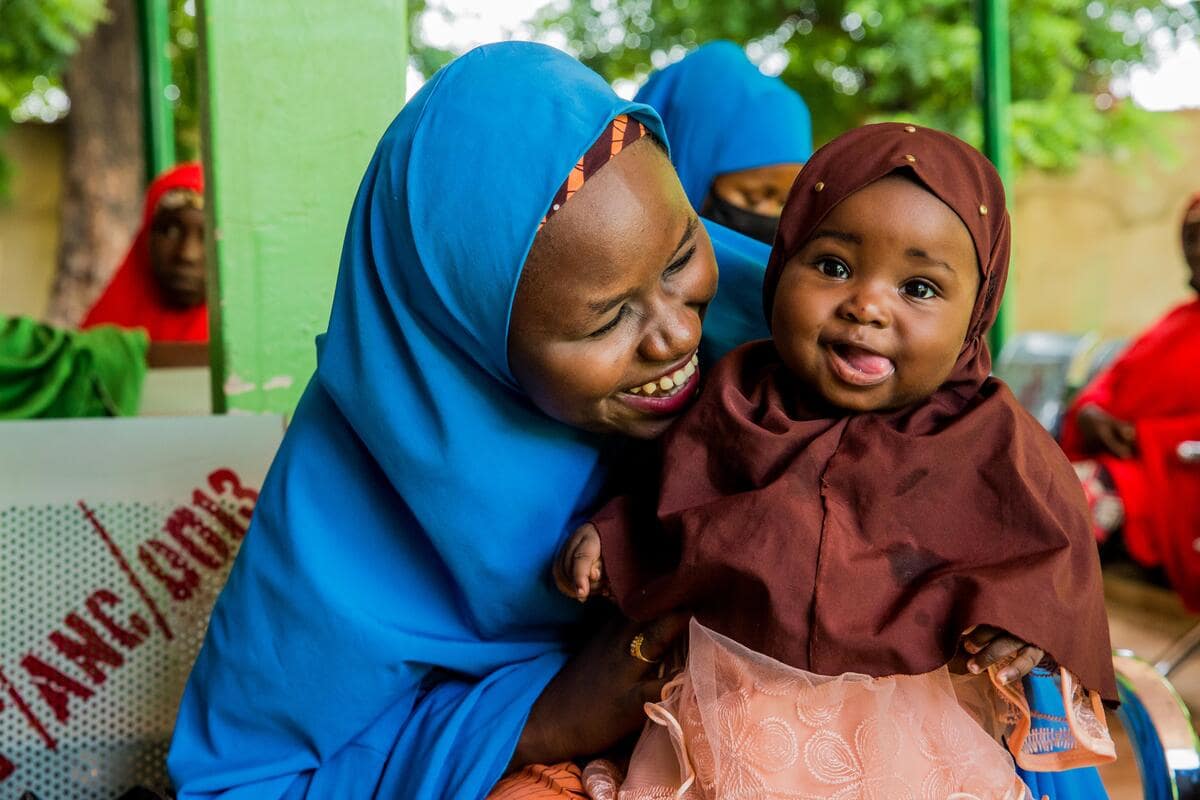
[(910, 158), (819, 186), (983, 209), (910, 128)]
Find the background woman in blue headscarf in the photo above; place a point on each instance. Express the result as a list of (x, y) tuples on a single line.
[(738, 137), (738, 140), (390, 627)]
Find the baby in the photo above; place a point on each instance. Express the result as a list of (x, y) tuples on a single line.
[(856, 495)]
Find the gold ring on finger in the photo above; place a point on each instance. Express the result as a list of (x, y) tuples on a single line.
[(635, 649)]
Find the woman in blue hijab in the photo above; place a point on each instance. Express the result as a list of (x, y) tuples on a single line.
[(390, 623), (390, 628), (738, 137)]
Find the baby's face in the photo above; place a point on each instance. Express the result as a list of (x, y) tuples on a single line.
[(873, 310)]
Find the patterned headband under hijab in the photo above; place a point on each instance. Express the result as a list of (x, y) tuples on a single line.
[(175, 199), (620, 133)]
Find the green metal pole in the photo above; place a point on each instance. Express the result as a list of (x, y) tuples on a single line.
[(997, 125), (158, 117)]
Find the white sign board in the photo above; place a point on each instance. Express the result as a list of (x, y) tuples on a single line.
[(115, 538)]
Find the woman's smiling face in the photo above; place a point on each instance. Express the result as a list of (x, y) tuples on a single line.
[(607, 316)]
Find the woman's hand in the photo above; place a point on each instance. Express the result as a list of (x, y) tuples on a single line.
[(579, 569), (989, 646), (596, 700), (1104, 433)]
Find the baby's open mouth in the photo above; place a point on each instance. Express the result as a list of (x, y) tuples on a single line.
[(859, 366)]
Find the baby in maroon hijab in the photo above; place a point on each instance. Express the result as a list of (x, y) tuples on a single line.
[(857, 493)]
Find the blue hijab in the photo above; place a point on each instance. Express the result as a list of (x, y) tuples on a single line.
[(723, 115), (391, 620)]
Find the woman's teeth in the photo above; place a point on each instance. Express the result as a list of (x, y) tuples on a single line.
[(669, 382)]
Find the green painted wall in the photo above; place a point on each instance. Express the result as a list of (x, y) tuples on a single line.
[(297, 95)]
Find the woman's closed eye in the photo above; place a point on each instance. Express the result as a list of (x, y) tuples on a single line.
[(832, 268), (672, 269), (681, 262), (611, 324), (920, 289)]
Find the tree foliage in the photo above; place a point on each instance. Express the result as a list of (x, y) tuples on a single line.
[(182, 48), (37, 37), (858, 61), (427, 58)]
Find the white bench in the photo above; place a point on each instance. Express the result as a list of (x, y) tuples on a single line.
[(115, 538)]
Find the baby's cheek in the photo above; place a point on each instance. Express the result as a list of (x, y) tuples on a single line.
[(925, 381)]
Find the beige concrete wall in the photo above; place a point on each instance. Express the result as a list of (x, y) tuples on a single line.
[(1099, 249), (1094, 250), (29, 219)]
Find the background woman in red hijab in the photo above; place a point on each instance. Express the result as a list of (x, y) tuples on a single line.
[(1124, 430), (161, 286)]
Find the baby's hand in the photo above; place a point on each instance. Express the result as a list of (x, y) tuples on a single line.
[(578, 570), (989, 646)]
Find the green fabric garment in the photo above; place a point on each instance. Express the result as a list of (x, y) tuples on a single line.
[(50, 372)]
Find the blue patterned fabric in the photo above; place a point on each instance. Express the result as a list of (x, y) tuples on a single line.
[(1044, 694)]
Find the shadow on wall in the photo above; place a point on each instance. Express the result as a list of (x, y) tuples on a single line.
[(29, 219)]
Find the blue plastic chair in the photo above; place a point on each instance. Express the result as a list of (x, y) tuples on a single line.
[(1038, 366), (1160, 729)]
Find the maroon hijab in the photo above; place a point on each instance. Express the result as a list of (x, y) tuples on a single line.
[(869, 542)]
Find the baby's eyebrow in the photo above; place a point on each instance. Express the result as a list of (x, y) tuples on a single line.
[(917, 252), (841, 236)]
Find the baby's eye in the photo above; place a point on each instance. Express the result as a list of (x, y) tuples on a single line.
[(922, 290), (833, 268)]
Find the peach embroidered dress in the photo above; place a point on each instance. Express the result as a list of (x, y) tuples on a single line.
[(737, 724)]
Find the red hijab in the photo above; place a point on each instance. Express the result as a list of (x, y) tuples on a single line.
[(1154, 384), (868, 543), (133, 299), (1155, 378)]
